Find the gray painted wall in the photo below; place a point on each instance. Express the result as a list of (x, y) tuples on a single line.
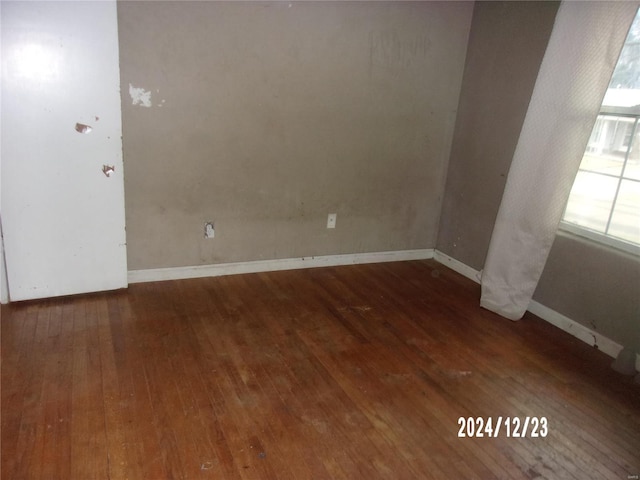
[(265, 117), (506, 46), (594, 285)]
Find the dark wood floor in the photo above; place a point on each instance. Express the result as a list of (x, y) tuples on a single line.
[(348, 372)]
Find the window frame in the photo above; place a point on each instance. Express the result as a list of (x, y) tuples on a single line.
[(602, 237)]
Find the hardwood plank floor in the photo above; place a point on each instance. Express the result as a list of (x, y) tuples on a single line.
[(346, 373)]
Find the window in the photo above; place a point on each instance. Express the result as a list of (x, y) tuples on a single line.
[(604, 203)]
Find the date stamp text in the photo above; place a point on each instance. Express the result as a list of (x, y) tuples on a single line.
[(508, 427)]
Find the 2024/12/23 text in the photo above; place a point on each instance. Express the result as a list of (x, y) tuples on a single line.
[(510, 427)]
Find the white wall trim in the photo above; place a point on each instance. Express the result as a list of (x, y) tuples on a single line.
[(457, 266), (588, 336), (4, 286), (570, 326), (177, 273)]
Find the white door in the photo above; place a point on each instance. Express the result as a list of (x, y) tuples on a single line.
[(62, 193)]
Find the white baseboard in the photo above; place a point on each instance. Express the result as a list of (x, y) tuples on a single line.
[(588, 336), (457, 266), (572, 327), (177, 273), (4, 290)]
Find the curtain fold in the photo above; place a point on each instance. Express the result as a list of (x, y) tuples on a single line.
[(574, 75)]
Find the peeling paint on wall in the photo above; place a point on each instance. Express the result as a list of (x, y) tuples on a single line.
[(140, 96), (82, 128), (108, 170)]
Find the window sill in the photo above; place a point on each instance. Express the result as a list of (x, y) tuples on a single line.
[(600, 238)]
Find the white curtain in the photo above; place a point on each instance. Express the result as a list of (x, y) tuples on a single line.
[(582, 52)]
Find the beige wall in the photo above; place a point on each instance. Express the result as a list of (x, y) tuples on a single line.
[(594, 285), (506, 46), (265, 117)]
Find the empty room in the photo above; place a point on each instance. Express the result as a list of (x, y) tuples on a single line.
[(320, 240)]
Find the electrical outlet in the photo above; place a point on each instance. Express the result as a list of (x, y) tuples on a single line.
[(331, 220), (209, 231)]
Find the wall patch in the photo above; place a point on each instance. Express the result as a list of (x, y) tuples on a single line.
[(140, 96)]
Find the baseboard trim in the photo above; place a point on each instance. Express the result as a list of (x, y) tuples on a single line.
[(457, 266), (215, 270), (4, 289), (588, 336)]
